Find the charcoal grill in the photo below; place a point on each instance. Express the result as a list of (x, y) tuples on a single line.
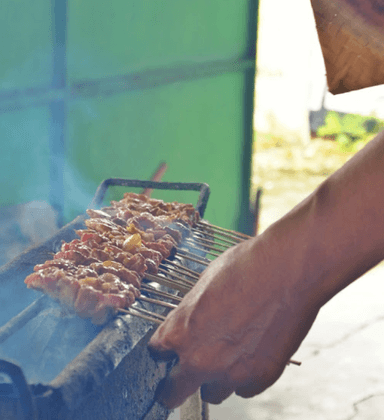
[(60, 367)]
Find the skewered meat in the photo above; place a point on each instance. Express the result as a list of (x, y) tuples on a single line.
[(102, 270)]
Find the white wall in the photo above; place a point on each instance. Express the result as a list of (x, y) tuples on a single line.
[(290, 77)]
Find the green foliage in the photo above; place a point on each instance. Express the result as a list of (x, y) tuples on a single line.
[(351, 131)]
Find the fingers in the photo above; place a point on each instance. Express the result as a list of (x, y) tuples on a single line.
[(216, 392), (177, 387), (259, 383), (162, 355)]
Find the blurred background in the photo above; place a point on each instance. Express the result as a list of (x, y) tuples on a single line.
[(232, 94)]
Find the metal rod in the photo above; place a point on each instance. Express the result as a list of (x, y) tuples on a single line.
[(157, 302), (169, 283), (140, 315), (149, 289), (21, 319), (182, 267), (241, 235)]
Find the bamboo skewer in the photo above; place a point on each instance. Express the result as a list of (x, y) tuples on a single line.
[(189, 253), (201, 233), (181, 267), (149, 289), (236, 239), (176, 277), (210, 247), (148, 313), (187, 257), (293, 362), (157, 302), (241, 235), (169, 283), (207, 242), (140, 315), (187, 246), (176, 270)]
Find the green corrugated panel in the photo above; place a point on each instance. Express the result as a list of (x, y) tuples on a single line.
[(193, 126), (26, 44), (24, 157), (117, 37), (147, 82)]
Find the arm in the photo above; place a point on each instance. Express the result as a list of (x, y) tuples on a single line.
[(253, 306)]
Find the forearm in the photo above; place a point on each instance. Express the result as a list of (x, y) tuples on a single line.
[(337, 233)]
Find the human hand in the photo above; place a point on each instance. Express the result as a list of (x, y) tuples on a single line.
[(237, 328)]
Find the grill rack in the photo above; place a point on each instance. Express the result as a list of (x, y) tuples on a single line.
[(83, 382)]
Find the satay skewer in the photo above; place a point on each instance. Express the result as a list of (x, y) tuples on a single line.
[(210, 248), (203, 234), (157, 302), (193, 273), (196, 260), (217, 234), (207, 242), (140, 315), (175, 276), (187, 247), (168, 283), (149, 289), (176, 270), (220, 229)]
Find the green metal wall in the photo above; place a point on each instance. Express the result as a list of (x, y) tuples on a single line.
[(91, 90)]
